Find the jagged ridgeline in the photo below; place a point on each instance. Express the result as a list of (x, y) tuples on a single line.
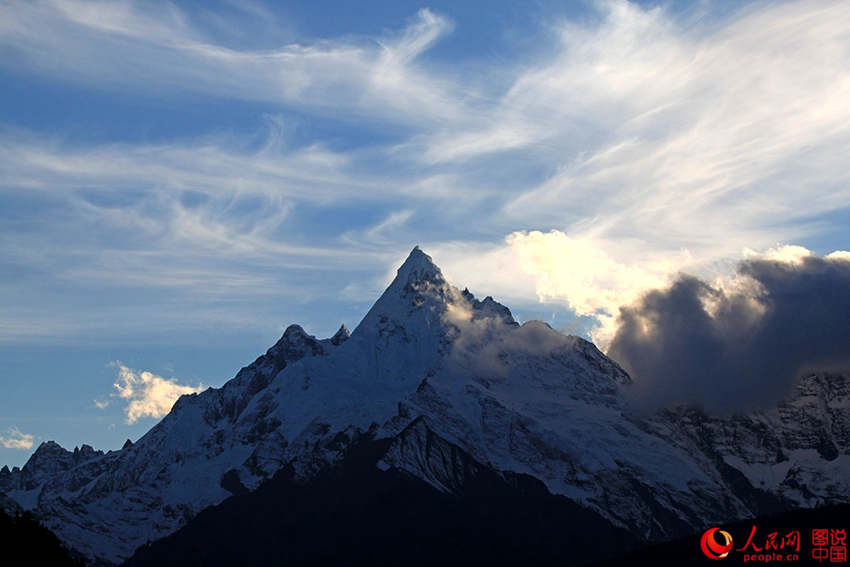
[(438, 412)]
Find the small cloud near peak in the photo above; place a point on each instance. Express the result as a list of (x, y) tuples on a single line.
[(147, 394), (14, 438)]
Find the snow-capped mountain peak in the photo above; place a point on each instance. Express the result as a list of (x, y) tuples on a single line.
[(419, 266), (419, 291), (432, 365)]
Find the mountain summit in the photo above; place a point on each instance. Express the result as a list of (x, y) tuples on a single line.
[(419, 266), (444, 383)]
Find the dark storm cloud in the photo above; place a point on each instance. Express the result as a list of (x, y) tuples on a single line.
[(729, 350)]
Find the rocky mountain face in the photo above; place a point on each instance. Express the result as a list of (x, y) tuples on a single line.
[(449, 383), (796, 454)]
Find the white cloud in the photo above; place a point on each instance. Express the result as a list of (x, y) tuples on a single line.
[(393, 220), (579, 272), (212, 166), (639, 142), (381, 233), (147, 394), (789, 254), (15, 439), (698, 137), (172, 215), (592, 280), (98, 42), (101, 404), (673, 145)]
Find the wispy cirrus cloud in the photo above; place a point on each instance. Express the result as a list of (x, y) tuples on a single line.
[(98, 42), (671, 144), (210, 166), (629, 144)]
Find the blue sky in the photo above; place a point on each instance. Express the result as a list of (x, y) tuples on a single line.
[(180, 181)]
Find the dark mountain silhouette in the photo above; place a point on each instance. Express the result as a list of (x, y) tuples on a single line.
[(24, 541), (357, 514)]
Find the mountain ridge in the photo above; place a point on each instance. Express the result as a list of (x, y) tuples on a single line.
[(518, 399)]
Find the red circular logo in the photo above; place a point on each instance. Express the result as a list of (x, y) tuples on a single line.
[(712, 548)]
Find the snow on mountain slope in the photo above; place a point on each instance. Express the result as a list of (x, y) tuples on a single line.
[(517, 398), (798, 451), (107, 506)]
